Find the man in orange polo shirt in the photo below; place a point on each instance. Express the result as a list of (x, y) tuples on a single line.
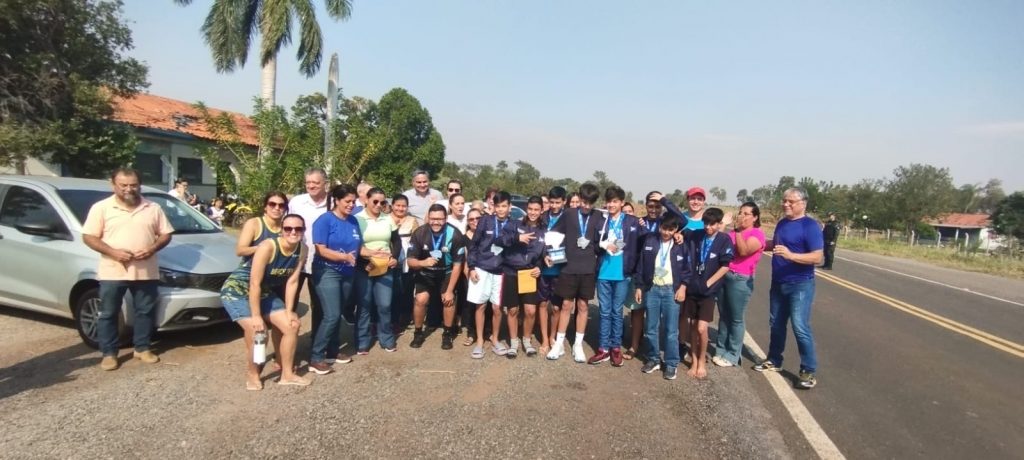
[(127, 230)]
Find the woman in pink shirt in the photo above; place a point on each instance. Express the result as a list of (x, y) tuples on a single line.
[(748, 239)]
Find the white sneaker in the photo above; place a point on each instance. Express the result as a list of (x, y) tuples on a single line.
[(557, 350), (721, 362), (578, 355)]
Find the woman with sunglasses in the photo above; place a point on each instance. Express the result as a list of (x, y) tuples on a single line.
[(375, 273), (260, 228), (250, 298), (401, 302), (468, 310)]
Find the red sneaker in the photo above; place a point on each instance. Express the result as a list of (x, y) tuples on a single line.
[(601, 356), (617, 357)]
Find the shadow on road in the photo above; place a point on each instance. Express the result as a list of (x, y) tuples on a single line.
[(45, 370)]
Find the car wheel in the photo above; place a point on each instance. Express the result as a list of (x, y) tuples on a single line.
[(87, 315)]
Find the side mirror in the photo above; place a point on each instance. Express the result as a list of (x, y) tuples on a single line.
[(45, 230)]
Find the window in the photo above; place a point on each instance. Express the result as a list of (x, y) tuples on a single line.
[(22, 205), (150, 168), (191, 169)]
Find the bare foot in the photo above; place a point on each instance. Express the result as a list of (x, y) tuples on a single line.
[(692, 372), (702, 371), (253, 383)]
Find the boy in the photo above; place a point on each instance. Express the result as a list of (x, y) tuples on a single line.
[(661, 276), (579, 275), (551, 302), (710, 252), (524, 248), (619, 242), (485, 273)]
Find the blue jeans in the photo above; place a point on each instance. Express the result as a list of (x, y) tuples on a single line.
[(144, 301), (334, 291), (611, 295), (370, 293), (662, 309), (792, 302), (731, 309)]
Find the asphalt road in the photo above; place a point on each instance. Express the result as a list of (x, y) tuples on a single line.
[(892, 384)]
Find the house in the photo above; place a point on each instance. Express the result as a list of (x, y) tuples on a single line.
[(967, 229)]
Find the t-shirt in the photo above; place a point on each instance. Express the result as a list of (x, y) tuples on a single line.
[(747, 265), (693, 223), (419, 205), (310, 210), (610, 268), (580, 261), (450, 242), (132, 229), (337, 234), (376, 232), (801, 236)]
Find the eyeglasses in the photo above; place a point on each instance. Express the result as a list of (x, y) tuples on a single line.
[(277, 204), (293, 229), (376, 202), (455, 190), (471, 219)]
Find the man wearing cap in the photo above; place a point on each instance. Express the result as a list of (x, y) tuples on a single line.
[(421, 196)]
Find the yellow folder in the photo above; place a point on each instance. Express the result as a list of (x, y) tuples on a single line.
[(527, 283), (378, 266)]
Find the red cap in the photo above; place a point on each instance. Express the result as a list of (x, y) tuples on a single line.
[(696, 191)]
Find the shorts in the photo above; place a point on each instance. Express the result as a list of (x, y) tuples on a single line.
[(430, 282), (700, 308), (631, 303), (546, 290), (579, 287), (239, 308), (487, 288), (510, 296)]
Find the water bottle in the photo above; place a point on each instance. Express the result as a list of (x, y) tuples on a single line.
[(259, 349)]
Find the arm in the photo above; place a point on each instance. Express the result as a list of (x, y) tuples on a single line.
[(291, 287), (671, 207), (96, 244), (718, 275), (448, 296), (335, 256), (243, 247), (747, 245), (259, 265), (807, 258)]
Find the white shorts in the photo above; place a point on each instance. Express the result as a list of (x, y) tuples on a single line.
[(487, 288)]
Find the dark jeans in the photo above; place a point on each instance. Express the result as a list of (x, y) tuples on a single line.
[(401, 300), (830, 253), (144, 301), (316, 313)]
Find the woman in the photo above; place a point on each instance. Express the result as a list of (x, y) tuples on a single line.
[(374, 273), (401, 302), (249, 297), (457, 211), (749, 241), (216, 212), (574, 200), (264, 227), (628, 209), (337, 242), (468, 312), (522, 256)]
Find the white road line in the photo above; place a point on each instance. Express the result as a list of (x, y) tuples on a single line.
[(816, 436), (958, 288)]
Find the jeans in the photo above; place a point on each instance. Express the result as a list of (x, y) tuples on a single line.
[(144, 301), (611, 295), (315, 310), (374, 292), (662, 310), (731, 309), (334, 291), (792, 302), (401, 299)]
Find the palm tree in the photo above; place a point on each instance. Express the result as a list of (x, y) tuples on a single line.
[(231, 24)]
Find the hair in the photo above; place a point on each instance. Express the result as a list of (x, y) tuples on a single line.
[(589, 193), (375, 191), (671, 221), (797, 190), (651, 194), (320, 171), (455, 181), (502, 197), (399, 197), (573, 194), (533, 199), (490, 191), (712, 216), (362, 186), (614, 193), (454, 196), (273, 193), (557, 192), (296, 216), (341, 191), (471, 211), (180, 180), (437, 207), (756, 211), (126, 171), (630, 205), (418, 172)]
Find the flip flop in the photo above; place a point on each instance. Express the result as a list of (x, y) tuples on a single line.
[(253, 386), (478, 353), (469, 341), (297, 381)]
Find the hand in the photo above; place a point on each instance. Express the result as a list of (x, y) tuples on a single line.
[(473, 276), (612, 248), (639, 295), (429, 262), (782, 251), (535, 272), (293, 319), (727, 219), (708, 284), (448, 298), (655, 197), (381, 253), (123, 255), (678, 236), (258, 325), (392, 262), (643, 223), (548, 261), (681, 294), (526, 238), (142, 254), (352, 258)]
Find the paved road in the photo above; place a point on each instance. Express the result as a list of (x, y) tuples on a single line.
[(895, 385)]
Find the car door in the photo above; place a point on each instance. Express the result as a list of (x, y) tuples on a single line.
[(34, 269)]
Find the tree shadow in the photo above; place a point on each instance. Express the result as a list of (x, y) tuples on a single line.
[(45, 370)]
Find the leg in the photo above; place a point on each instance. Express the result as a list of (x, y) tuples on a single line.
[(700, 349), (581, 316), (670, 313), (801, 300), (605, 295), (655, 306), (619, 289), (144, 301), (329, 289), (479, 315), (252, 371), (495, 323), (288, 329), (419, 309), (382, 294), (565, 315), (364, 297), (513, 322), (778, 316), (529, 320), (725, 307), (111, 298), (636, 329)]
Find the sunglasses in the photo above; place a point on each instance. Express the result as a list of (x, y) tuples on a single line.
[(473, 218), (455, 190), (277, 204), (376, 202), (286, 229)]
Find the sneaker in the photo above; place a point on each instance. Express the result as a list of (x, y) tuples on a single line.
[(650, 366), (578, 355), (320, 368), (513, 349), (528, 347), (110, 363), (390, 349), (601, 356), (447, 340), (362, 352), (721, 362), (617, 357), (807, 380), (147, 357), (670, 373), (342, 358), (418, 337), (767, 366), (557, 350)]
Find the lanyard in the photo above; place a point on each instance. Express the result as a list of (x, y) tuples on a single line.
[(652, 225), (615, 227), (499, 228), (552, 220), (438, 240), (583, 223), (706, 249), (663, 254)]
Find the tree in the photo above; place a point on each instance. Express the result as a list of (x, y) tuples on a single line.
[(403, 138), (1008, 218), (742, 196), (61, 62), (231, 24), (718, 194), (918, 191)]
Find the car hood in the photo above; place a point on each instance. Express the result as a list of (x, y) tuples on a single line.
[(200, 253)]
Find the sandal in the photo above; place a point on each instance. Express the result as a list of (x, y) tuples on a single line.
[(253, 386), (499, 348), (297, 381), (478, 353), (529, 348), (469, 341), (628, 354)]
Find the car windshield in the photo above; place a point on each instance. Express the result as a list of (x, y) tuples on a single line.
[(183, 217)]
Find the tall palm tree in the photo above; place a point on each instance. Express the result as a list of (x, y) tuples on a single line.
[(231, 24)]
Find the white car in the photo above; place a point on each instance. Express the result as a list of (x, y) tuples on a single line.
[(47, 268)]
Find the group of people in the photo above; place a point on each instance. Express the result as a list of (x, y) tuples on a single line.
[(438, 261)]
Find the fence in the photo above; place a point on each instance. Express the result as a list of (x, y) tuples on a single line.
[(964, 243)]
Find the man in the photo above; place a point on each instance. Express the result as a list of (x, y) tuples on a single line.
[(457, 214), (311, 205), (361, 198), (485, 261), (617, 262), (796, 248), (436, 252), (127, 230), (830, 234), (421, 196), (180, 189)]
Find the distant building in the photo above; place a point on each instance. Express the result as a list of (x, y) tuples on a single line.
[(969, 228)]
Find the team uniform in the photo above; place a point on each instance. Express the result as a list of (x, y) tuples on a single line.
[(235, 292)]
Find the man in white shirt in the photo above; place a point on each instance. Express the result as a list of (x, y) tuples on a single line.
[(311, 205), (421, 196), (180, 190)]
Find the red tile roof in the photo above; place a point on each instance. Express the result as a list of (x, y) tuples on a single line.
[(961, 220), (149, 111)]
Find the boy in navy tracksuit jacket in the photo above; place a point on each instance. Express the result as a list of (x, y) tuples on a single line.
[(661, 276), (523, 241), (485, 273), (619, 238), (710, 252)]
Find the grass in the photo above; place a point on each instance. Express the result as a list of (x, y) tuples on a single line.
[(1006, 267)]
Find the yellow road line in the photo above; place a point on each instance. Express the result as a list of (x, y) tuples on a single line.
[(993, 341)]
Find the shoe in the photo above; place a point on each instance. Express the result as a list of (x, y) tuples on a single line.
[(418, 337), (601, 356), (349, 318), (447, 340), (578, 355), (807, 380), (499, 348), (628, 354), (390, 349), (470, 338), (767, 366), (342, 358), (528, 347), (321, 368), (670, 373), (650, 366), (110, 363), (478, 353), (617, 357), (721, 362), (557, 350), (362, 352), (684, 350), (513, 349), (147, 357)]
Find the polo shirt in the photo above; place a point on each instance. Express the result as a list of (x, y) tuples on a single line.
[(310, 210), (376, 232), (132, 229), (419, 205)]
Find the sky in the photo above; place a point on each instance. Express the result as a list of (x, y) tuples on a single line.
[(661, 95)]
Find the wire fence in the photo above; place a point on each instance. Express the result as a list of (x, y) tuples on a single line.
[(964, 243)]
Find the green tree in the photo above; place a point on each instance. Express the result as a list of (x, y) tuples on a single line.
[(1008, 218), (61, 62), (742, 196), (403, 139), (231, 24), (918, 191), (718, 193)]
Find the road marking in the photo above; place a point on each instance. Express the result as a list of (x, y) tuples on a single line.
[(993, 341), (958, 288), (816, 436)]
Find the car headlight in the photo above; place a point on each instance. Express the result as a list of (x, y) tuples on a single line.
[(174, 278)]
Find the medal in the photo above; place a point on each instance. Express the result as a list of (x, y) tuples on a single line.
[(496, 250), (661, 273), (620, 244), (436, 254), (582, 242)]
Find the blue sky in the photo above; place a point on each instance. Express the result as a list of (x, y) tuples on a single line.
[(663, 94)]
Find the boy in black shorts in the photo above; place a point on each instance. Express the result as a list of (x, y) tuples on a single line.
[(436, 252), (524, 247), (710, 252)]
